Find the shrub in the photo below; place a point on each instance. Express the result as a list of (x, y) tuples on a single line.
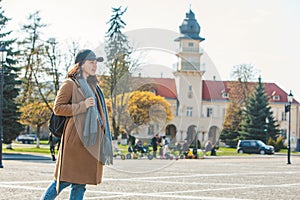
[(278, 144)]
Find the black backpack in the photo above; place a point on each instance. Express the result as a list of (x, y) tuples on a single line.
[(56, 124)]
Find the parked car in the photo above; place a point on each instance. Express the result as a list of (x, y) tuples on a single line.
[(26, 138), (254, 146)]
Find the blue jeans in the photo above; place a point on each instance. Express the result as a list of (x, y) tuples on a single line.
[(77, 190)]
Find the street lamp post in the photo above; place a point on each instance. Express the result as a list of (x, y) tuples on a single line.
[(3, 53), (288, 109)]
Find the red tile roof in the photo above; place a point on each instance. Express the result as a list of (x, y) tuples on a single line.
[(212, 90), (164, 87)]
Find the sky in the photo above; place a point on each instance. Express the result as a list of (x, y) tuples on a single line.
[(263, 33)]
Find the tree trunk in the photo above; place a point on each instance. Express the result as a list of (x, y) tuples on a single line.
[(38, 136)]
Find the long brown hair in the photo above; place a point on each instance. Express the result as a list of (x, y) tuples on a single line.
[(74, 72)]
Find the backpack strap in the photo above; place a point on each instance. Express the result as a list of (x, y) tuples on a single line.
[(60, 164)]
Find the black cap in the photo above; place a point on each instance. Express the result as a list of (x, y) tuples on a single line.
[(86, 54)]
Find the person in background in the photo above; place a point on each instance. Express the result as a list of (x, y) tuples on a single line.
[(208, 146), (53, 142), (131, 142), (154, 143), (165, 146)]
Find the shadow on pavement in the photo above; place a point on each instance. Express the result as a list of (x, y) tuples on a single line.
[(25, 157)]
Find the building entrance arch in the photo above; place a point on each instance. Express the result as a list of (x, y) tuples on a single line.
[(171, 132), (192, 137), (213, 135)]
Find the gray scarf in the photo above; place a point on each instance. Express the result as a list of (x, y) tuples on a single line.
[(106, 151), (90, 131)]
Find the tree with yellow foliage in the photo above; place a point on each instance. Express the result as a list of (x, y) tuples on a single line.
[(35, 114), (145, 107)]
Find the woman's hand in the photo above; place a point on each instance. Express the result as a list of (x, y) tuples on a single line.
[(89, 102)]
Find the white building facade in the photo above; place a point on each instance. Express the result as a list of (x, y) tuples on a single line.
[(199, 105)]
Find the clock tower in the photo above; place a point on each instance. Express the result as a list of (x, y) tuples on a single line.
[(188, 76)]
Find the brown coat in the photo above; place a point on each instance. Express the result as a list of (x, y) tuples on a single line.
[(78, 164)]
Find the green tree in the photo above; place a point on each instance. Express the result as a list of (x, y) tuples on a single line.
[(272, 130), (238, 93), (11, 125), (118, 52), (256, 112)]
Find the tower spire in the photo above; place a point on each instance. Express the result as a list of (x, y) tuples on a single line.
[(190, 28), (189, 40)]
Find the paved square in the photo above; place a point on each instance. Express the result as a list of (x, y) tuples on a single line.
[(213, 178)]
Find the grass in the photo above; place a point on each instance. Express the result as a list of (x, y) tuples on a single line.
[(222, 151), (41, 150), (29, 148), (226, 151)]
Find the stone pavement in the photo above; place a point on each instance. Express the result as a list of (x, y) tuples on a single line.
[(212, 178)]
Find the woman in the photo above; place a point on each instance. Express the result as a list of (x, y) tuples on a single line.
[(82, 154)]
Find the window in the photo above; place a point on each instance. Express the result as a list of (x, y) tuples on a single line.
[(190, 93), (191, 44), (276, 98), (283, 133), (190, 60), (245, 144), (253, 143), (153, 91), (225, 95), (189, 111), (283, 116), (209, 112)]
